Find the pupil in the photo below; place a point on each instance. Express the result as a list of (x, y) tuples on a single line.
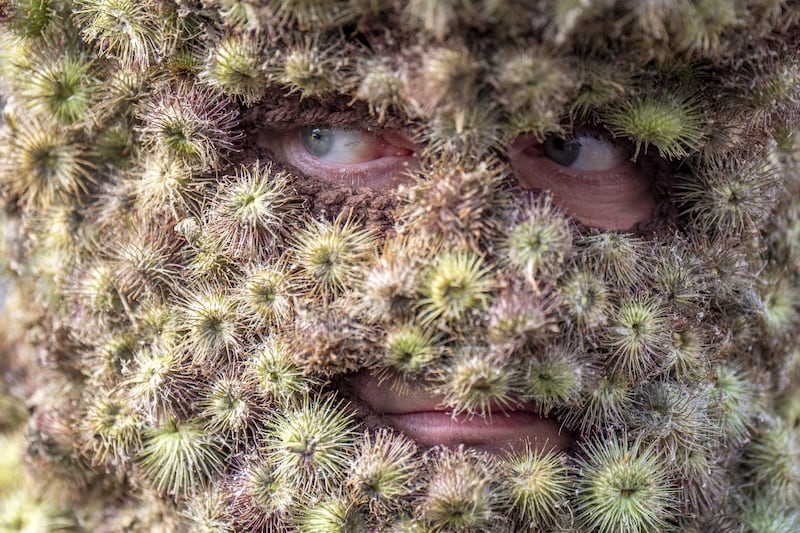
[(562, 152), (318, 141)]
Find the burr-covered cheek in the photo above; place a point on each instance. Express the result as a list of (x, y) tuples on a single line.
[(592, 178)]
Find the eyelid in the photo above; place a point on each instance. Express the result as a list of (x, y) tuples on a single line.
[(614, 198), (598, 154)]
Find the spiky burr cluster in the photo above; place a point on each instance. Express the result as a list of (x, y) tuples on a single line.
[(193, 306)]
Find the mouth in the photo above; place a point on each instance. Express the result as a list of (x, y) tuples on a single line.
[(428, 421)]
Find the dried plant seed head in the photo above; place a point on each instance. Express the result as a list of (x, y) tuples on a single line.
[(464, 138), (523, 314), (773, 455), (384, 473), (779, 310), (462, 495), (59, 85), (306, 15), (380, 87), (704, 482), (156, 374), (332, 257), (767, 90), (672, 124), (638, 337), (457, 205), (26, 512), (310, 444), (257, 499), (115, 429), (538, 484), (113, 358), (265, 298), (532, 81), (331, 515), (554, 378), (457, 287), (735, 399), (476, 381), (33, 18), (166, 187), (45, 165), (689, 356), (327, 342), (236, 67), (624, 486), (127, 30), (229, 408), (241, 15), (179, 457), (729, 197), (410, 350), (209, 316), (388, 292), (624, 260), (275, 376), (438, 18), (190, 125), (156, 324), (447, 82), (675, 418), (145, 262), (125, 88), (251, 212), (768, 514), (541, 241), (586, 300), (608, 405), (315, 68), (96, 288), (52, 434), (709, 20), (206, 262), (207, 512), (680, 277)]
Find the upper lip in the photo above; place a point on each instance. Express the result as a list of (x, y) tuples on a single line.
[(388, 400), (429, 421)]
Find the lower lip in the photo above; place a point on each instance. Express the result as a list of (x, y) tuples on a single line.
[(501, 431)]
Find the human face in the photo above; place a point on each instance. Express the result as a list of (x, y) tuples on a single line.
[(589, 176)]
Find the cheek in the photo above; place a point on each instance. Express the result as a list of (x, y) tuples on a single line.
[(615, 199)]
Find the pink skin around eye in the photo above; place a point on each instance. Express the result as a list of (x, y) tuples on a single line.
[(614, 199), (380, 161)]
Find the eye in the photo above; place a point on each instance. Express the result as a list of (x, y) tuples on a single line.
[(349, 156), (584, 153), (591, 177)]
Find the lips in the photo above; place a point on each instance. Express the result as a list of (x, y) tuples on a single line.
[(429, 422)]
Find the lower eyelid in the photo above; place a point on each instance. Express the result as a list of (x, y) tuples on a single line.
[(613, 199), (379, 173)]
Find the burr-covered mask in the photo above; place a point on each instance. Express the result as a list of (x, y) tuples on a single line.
[(408, 266)]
